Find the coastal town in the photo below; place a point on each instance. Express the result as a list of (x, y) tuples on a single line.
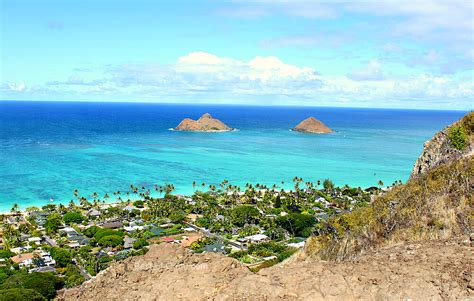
[(259, 226)]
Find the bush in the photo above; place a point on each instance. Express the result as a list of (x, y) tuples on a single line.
[(139, 204), (73, 217), (458, 137), (44, 283), (101, 233), (297, 223), (52, 223), (91, 231), (111, 241), (20, 294), (62, 256), (6, 254), (244, 214), (140, 243), (73, 276)]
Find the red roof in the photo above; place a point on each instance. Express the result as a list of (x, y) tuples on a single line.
[(167, 239)]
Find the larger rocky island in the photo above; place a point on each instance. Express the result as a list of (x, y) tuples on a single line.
[(312, 125), (206, 123)]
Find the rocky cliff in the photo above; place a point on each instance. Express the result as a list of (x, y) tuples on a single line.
[(312, 125), (206, 123), (440, 148)]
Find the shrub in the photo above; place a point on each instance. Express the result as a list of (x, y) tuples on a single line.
[(458, 137), (140, 243), (244, 214), (73, 276), (297, 223), (44, 283), (101, 233), (139, 204), (6, 254), (52, 223), (91, 231), (20, 294), (111, 241), (73, 217), (62, 256)]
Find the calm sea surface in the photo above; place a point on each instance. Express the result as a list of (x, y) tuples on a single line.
[(48, 149)]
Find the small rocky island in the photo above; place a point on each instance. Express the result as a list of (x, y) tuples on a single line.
[(206, 123), (312, 125)]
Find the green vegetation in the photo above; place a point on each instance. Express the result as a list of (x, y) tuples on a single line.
[(73, 217), (297, 224), (109, 237), (244, 215), (53, 223), (73, 276), (45, 284), (458, 137), (436, 204), (20, 294), (140, 243), (62, 256)]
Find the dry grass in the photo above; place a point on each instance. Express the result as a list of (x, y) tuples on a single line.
[(435, 205)]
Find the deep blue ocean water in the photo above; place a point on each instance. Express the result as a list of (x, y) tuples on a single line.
[(48, 149)]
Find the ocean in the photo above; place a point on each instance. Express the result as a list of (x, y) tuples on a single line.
[(49, 149)]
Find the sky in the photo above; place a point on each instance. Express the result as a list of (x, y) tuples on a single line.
[(382, 54)]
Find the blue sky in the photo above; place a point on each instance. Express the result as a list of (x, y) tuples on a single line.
[(400, 54)]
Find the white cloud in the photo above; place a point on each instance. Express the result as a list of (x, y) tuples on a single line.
[(265, 69), (17, 87), (372, 71), (204, 77)]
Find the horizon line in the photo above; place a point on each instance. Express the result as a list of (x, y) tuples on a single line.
[(230, 104)]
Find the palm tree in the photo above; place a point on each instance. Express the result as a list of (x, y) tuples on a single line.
[(15, 208)]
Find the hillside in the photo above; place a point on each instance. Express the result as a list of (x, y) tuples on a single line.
[(421, 271), (413, 242)]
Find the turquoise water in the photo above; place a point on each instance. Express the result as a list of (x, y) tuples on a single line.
[(48, 149)]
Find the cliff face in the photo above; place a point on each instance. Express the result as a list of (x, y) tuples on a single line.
[(440, 150), (312, 125), (206, 123)]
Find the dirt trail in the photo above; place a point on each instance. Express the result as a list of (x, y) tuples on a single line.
[(432, 270)]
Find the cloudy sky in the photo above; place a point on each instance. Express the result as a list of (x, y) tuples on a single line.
[(394, 54)]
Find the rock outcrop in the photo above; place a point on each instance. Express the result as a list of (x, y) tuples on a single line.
[(439, 150), (206, 123), (418, 271), (312, 125)]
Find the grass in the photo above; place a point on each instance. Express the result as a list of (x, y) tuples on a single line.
[(436, 205)]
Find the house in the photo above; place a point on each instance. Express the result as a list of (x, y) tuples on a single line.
[(45, 269), (193, 217), (133, 228), (112, 225), (215, 247), (128, 242), (257, 238), (19, 250), (130, 208), (189, 229), (23, 260), (296, 244), (50, 241), (93, 213), (35, 240)]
